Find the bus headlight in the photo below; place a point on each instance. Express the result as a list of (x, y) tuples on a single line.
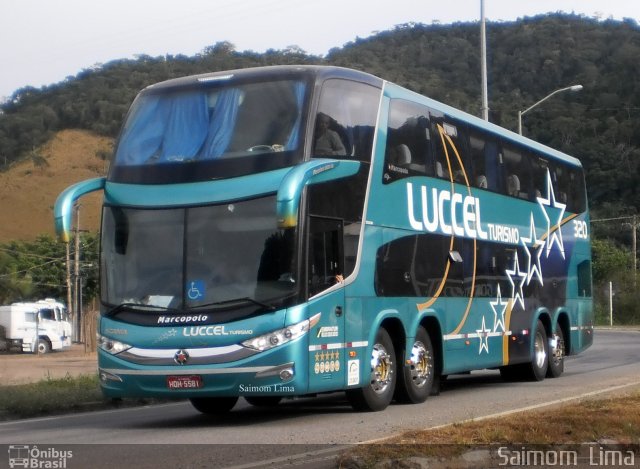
[(111, 346), (281, 336)]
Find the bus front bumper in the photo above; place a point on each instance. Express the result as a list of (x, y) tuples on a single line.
[(264, 374)]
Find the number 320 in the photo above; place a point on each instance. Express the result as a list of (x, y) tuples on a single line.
[(580, 229)]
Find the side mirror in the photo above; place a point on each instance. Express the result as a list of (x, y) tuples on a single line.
[(311, 172), (63, 209)]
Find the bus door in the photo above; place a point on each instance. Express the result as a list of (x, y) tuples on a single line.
[(325, 255)]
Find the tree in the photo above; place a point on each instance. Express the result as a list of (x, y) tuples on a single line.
[(35, 270)]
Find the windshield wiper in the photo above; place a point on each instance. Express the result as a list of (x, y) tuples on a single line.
[(245, 299), (137, 306)]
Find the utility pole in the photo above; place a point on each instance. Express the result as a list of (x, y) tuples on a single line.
[(634, 228), (483, 60), (68, 266), (76, 279)]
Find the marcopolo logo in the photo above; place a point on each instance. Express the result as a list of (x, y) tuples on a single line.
[(34, 457), (185, 319)]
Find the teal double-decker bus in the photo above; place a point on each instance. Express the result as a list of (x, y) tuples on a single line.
[(295, 230)]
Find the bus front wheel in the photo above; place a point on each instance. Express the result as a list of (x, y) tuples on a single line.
[(416, 380), (213, 405), (377, 394)]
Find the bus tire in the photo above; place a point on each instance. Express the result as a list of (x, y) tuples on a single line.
[(537, 369), (263, 401), (415, 382), (377, 394), (213, 405), (44, 346), (556, 354)]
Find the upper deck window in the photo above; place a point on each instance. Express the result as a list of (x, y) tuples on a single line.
[(345, 121), (211, 131)]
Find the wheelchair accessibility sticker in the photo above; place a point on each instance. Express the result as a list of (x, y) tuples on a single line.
[(195, 290)]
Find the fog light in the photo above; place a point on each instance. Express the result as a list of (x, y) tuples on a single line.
[(286, 374), (106, 376)]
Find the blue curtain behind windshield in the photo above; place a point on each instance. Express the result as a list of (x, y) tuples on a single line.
[(144, 136), (165, 129), (223, 121), (292, 142), (186, 127)]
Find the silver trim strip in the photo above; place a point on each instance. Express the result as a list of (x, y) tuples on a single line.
[(193, 352), (174, 371), (197, 356)]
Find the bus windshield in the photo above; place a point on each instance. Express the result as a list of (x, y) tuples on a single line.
[(197, 257), (212, 131)]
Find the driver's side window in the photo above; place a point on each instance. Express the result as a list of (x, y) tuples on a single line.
[(325, 253)]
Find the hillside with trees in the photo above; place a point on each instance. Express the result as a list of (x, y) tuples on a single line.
[(527, 60)]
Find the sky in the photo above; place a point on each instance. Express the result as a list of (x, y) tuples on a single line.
[(44, 41)]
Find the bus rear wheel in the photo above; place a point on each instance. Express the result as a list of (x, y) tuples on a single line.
[(556, 354), (377, 394), (213, 405), (537, 369), (416, 380)]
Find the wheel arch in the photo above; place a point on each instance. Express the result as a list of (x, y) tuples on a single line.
[(544, 317), (564, 323), (433, 328), (393, 325)]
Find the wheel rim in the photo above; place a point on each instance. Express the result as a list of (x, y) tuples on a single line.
[(381, 369), (557, 349), (420, 364), (540, 352)]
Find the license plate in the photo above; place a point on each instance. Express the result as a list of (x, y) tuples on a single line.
[(184, 382)]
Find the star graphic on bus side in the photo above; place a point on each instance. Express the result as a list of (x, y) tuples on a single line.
[(498, 314), (516, 293), (483, 335), (533, 268), (554, 232)]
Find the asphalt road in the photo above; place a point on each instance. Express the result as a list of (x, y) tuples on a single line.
[(176, 435)]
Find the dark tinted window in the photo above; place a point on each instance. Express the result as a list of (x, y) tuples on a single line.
[(450, 150), (584, 278), (408, 150), (516, 171), (416, 266), (342, 200), (484, 155), (350, 110)]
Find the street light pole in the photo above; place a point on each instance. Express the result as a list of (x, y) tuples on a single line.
[(521, 113), (483, 60)]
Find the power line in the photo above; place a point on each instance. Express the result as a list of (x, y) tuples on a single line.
[(29, 269), (28, 254), (614, 218)]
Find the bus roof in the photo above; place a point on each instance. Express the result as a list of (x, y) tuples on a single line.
[(279, 71)]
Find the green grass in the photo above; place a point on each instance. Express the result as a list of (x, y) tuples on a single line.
[(57, 396), (613, 419)]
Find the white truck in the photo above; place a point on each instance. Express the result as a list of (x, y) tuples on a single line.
[(39, 326)]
